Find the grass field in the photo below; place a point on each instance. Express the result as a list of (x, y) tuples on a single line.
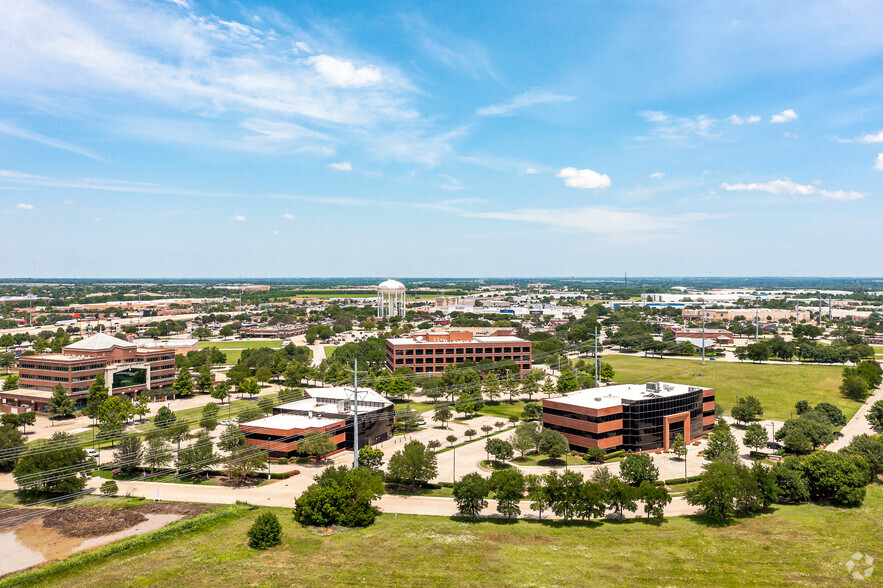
[(329, 350), (803, 545), (274, 343), (777, 387)]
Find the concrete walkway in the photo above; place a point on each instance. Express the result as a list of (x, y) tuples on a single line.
[(858, 424)]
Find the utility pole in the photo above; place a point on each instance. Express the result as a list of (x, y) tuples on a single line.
[(703, 335), (756, 325), (596, 357), (356, 413), (820, 309)]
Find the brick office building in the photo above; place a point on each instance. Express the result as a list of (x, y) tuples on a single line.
[(630, 416), (434, 351), (127, 370), (324, 410)]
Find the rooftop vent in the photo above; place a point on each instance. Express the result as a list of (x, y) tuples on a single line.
[(597, 399)]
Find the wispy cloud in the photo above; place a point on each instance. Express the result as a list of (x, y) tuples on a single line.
[(345, 74), (583, 178), (784, 116), (735, 119), (670, 127), (530, 98), (288, 216), (24, 206), (788, 186), (531, 171), (657, 175), (451, 183), (878, 164), (599, 220), (238, 217), (12, 130), (342, 166)]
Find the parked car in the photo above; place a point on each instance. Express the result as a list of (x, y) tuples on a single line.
[(774, 445), (225, 423), (235, 419), (93, 453)]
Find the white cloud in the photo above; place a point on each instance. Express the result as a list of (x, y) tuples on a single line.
[(342, 73), (524, 100), (9, 129), (657, 175), (531, 171), (303, 47), (867, 138), (68, 201), (788, 135), (25, 206), (583, 178), (787, 186), (667, 126), (735, 119), (878, 164), (451, 183), (97, 219), (238, 217), (784, 116), (342, 166), (288, 216), (591, 219)]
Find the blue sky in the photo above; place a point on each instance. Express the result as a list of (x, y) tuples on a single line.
[(218, 139)]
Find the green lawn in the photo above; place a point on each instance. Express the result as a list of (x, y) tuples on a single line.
[(232, 356), (532, 459), (329, 351), (503, 409), (777, 387), (804, 545), (418, 406), (274, 343)]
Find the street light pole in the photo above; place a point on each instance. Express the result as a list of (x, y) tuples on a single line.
[(454, 474), (703, 335)]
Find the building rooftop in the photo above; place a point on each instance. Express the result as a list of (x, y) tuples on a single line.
[(164, 343), (66, 357), (436, 339), (36, 394), (99, 342), (615, 395), (292, 421)]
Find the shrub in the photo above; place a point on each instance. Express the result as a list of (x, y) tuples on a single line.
[(266, 532), (282, 461), (109, 488), (595, 455)]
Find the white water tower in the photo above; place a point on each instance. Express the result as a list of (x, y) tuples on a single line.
[(390, 299)]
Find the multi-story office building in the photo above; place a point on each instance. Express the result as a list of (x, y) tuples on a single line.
[(324, 410), (434, 351), (634, 417), (127, 369)]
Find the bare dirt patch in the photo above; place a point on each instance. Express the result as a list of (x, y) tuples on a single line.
[(93, 521)]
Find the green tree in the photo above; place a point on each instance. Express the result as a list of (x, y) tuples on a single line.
[(854, 387), (407, 418), (205, 381), (875, 415), (158, 453), (470, 494), (717, 491), (508, 487), (491, 386), (221, 391), (722, 444), (802, 406), (370, 458), (209, 418), (266, 405), (758, 351), (637, 468), (486, 429), (183, 384), (264, 375), (129, 454), (567, 382), (563, 492), (316, 445), (12, 444), (340, 496), (756, 437), (592, 501), (836, 477), (748, 408), (96, 396), (552, 443), (112, 417), (164, 418), (451, 439), (7, 360), (7, 341), (790, 480), (470, 433), (526, 437), (249, 386), (442, 414), (679, 447), (870, 447), (61, 469), (199, 456), (501, 450), (834, 414), (414, 464), (532, 412), (621, 496), (266, 532), (287, 395), (536, 493), (655, 499), (795, 433)]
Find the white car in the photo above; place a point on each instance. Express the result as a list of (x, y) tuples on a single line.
[(93, 453), (235, 419), (226, 423)]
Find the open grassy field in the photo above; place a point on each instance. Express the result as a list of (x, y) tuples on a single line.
[(274, 343), (803, 545), (329, 350), (777, 387)]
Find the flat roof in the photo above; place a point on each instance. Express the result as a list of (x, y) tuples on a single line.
[(292, 421), (608, 396), (59, 357), (476, 339), (38, 394)]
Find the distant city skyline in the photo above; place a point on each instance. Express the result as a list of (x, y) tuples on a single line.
[(182, 139)]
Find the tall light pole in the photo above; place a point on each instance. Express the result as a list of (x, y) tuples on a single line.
[(596, 357), (703, 334), (356, 413), (756, 324), (454, 472)]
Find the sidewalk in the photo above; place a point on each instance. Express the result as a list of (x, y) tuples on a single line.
[(858, 424)]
